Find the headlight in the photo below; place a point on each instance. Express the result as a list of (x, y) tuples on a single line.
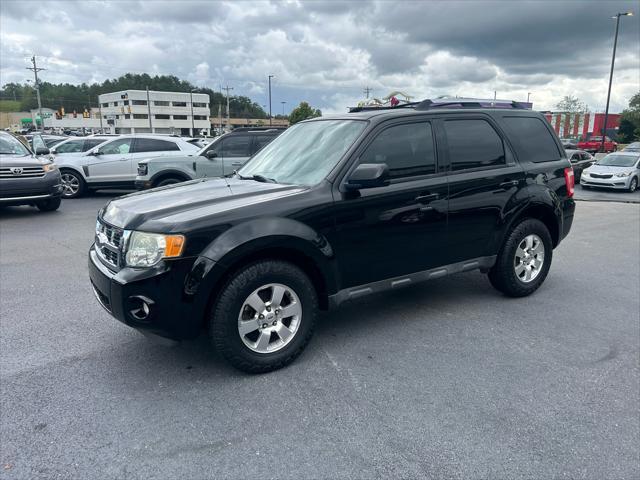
[(623, 174), (147, 249), (49, 167), (142, 169), (585, 173)]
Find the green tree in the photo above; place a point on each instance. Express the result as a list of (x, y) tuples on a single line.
[(629, 130), (302, 112), (572, 105)]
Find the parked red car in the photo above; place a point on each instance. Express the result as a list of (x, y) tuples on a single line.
[(594, 143)]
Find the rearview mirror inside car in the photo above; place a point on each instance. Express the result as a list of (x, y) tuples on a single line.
[(368, 175)]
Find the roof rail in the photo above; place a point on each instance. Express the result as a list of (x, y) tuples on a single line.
[(470, 103), (258, 129), (369, 108)]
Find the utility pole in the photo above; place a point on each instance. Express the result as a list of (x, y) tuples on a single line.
[(283, 103), (270, 77), (35, 69), (367, 91), (613, 61), (149, 110), (100, 113), (227, 88), (528, 96)]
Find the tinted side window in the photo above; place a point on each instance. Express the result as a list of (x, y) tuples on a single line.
[(70, 147), (120, 146), (532, 139), (473, 144), (260, 141), (89, 144), (236, 146), (153, 145), (407, 150)]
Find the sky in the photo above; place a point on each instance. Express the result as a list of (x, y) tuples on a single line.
[(327, 52)]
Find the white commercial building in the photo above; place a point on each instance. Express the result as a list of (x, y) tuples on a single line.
[(141, 111)]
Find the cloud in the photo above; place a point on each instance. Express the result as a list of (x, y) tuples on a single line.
[(326, 52)]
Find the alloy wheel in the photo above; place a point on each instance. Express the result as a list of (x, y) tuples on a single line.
[(529, 258), (269, 318), (70, 185)]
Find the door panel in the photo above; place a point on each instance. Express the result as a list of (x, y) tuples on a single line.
[(111, 163), (484, 182), (400, 228)]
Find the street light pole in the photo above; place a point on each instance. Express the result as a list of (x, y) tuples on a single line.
[(283, 107), (613, 61), (270, 77), (528, 96)]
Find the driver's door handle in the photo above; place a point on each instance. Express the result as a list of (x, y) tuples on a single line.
[(509, 183), (427, 198)]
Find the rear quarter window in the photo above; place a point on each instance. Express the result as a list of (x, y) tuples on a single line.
[(532, 139)]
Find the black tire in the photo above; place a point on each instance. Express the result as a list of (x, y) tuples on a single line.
[(633, 185), (49, 205), (224, 316), (503, 274), (168, 181), (70, 179)]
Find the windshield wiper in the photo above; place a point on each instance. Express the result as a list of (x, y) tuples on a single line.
[(258, 178)]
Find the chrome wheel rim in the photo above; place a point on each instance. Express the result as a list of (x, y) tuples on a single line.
[(634, 184), (529, 258), (269, 318), (70, 185)]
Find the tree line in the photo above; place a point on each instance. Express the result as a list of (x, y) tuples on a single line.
[(78, 97)]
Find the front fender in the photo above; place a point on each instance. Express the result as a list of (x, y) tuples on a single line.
[(248, 240)]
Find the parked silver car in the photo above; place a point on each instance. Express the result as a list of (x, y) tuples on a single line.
[(221, 157), (619, 170)]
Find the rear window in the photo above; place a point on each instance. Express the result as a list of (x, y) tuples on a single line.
[(532, 139), (473, 144), (153, 145)]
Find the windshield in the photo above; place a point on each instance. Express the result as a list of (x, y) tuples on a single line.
[(305, 153), (12, 146), (618, 161)]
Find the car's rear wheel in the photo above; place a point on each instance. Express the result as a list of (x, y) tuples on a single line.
[(168, 181), (73, 185), (264, 316), (49, 205), (524, 260), (633, 185)]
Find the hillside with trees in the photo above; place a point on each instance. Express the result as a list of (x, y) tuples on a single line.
[(22, 97)]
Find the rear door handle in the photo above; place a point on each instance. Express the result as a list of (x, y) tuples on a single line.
[(509, 183), (427, 198)]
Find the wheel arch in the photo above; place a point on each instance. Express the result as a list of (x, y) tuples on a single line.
[(163, 174), (540, 211)]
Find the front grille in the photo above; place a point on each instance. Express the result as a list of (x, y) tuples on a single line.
[(21, 172), (600, 175), (109, 244)]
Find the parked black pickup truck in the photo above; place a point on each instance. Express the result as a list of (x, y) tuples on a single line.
[(332, 210), (26, 179)]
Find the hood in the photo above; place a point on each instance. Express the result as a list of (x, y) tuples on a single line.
[(169, 158), (606, 169), (178, 207), (20, 161)]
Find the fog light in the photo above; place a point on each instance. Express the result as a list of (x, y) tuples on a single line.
[(140, 307)]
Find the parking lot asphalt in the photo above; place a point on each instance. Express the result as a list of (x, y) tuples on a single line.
[(606, 195), (448, 379)]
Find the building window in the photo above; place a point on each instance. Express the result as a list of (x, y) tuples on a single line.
[(127, 116), (163, 117), (105, 104), (196, 104), (126, 102), (140, 116), (161, 103), (199, 117), (179, 104), (138, 102), (179, 117)]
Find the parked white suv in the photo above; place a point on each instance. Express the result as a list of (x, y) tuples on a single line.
[(113, 164)]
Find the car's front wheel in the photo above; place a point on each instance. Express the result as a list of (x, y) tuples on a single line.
[(73, 185), (264, 316), (524, 260), (168, 181), (633, 185)]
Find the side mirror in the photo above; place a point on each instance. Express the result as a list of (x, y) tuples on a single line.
[(369, 175), (211, 154), (42, 151)]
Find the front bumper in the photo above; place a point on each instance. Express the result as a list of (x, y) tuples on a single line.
[(24, 191), (620, 183), (171, 311)]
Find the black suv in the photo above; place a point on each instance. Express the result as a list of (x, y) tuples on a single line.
[(334, 209)]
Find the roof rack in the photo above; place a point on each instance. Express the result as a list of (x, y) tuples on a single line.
[(450, 103), (471, 103)]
